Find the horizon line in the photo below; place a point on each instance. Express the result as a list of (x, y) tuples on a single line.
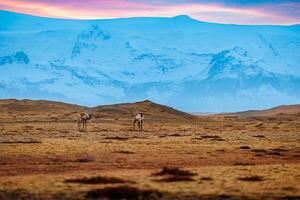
[(136, 17)]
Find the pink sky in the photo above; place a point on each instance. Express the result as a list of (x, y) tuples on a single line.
[(221, 11)]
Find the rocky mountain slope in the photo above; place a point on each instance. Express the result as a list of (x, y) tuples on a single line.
[(184, 63)]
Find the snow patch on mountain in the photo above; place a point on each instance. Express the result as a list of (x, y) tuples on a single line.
[(18, 58)]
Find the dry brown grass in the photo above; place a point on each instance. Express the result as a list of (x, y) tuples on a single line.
[(38, 153)]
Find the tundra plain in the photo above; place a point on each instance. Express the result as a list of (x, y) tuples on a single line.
[(248, 155)]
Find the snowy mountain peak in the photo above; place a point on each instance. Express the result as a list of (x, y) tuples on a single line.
[(234, 63), (95, 32), (89, 39), (236, 53), (183, 17)]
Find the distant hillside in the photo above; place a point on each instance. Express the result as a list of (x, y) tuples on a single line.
[(43, 110), (13, 105), (280, 110), (150, 109)]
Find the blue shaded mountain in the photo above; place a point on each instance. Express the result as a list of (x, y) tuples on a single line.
[(178, 61), (233, 80)]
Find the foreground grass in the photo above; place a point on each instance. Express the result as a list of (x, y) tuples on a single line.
[(213, 157)]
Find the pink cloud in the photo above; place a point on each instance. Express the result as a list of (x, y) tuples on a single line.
[(94, 9)]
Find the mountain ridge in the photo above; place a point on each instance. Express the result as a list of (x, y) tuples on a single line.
[(170, 61), (283, 110), (180, 16)]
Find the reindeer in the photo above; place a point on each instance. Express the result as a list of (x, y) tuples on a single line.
[(82, 118), (138, 119)]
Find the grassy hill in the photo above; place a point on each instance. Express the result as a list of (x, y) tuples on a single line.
[(44, 110), (284, 110)]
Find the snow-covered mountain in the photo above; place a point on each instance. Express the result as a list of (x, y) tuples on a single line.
[(181, 62)]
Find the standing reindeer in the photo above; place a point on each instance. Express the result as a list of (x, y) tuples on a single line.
[(138, 119), (82, 118)]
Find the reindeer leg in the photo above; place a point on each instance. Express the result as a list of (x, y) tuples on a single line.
[(80, 125), (134, 124), (78, 122), (139, 123)]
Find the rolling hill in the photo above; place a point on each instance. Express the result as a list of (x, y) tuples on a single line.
[(150, 109), (291, 110), (45, 110)]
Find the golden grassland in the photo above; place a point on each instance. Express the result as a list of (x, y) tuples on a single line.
[(44, 156)]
